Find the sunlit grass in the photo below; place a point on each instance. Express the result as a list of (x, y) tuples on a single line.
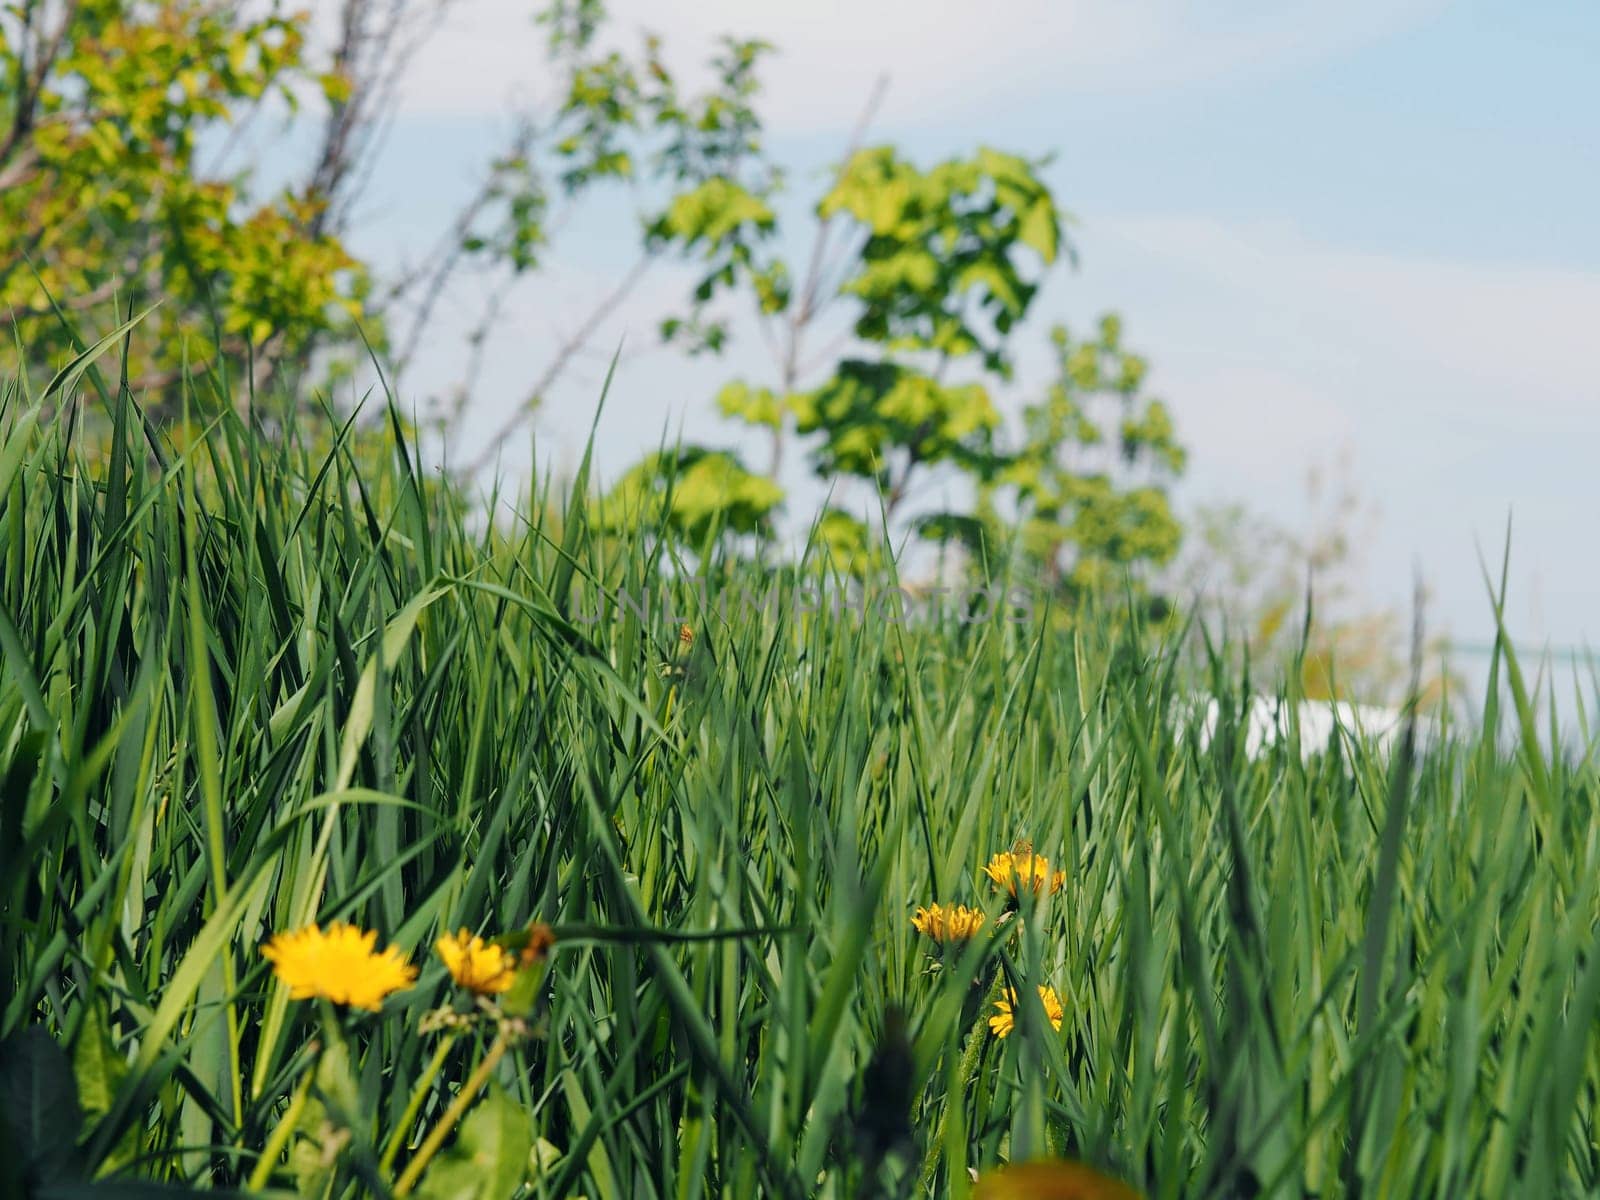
[(255, 684)]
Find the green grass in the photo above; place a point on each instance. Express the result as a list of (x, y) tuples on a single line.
[(259, 682)]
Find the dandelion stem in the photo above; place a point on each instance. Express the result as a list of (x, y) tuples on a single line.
[(452, 1115), (966, 1072), (418, 1094)]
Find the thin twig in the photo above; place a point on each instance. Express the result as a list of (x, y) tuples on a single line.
[(563, 357), (447, 257), (804, 307)]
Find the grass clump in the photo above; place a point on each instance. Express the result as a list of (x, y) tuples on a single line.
[(668, 899)]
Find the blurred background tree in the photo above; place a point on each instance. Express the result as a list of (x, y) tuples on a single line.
[(1081, 506), (131, 137), (106, 203), (120, 117), (130, 140), (1290, 596)]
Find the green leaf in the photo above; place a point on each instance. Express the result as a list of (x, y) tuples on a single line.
[(522, 996), (337, 1083), (754, 406), (1039, 228), (99, 1070), (18, 440), (40, 1117), (490, 1157), (395, 636), (692, 491), (314, 1157), (713, 213)]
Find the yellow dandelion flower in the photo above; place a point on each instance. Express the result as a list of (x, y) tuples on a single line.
[(1049, 1179), (340, 964), (1020, 868), (477, 965), (958, 923), (1004, 1020), (685, 635)]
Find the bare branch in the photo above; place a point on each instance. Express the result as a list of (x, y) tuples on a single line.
[(18, 170), (376, 44), (564, 355), (805, 304), (447, 260), (32, 75), (478, 340)]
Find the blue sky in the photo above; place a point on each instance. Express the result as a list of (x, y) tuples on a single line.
[(1361, 233)]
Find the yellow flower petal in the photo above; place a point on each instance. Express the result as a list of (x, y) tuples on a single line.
[(475, 964), (1020, 869), (958, 923), (1004, 1020), (340, 964)]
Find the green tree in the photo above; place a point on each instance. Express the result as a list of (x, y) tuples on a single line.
[(122, 124), (938, 267), (104, 108), (939, 270), (1091, 474)]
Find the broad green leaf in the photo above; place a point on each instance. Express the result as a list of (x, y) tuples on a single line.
[(490, 1157), (39, 1111)]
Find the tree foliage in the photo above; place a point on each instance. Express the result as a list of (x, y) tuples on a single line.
[(106, 109), (940, 271), (692, 493), (895, 337), (1091, 472)]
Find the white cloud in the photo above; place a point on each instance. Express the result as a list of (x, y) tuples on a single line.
[(946, 58), (1511, 340), (1462, 391)]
